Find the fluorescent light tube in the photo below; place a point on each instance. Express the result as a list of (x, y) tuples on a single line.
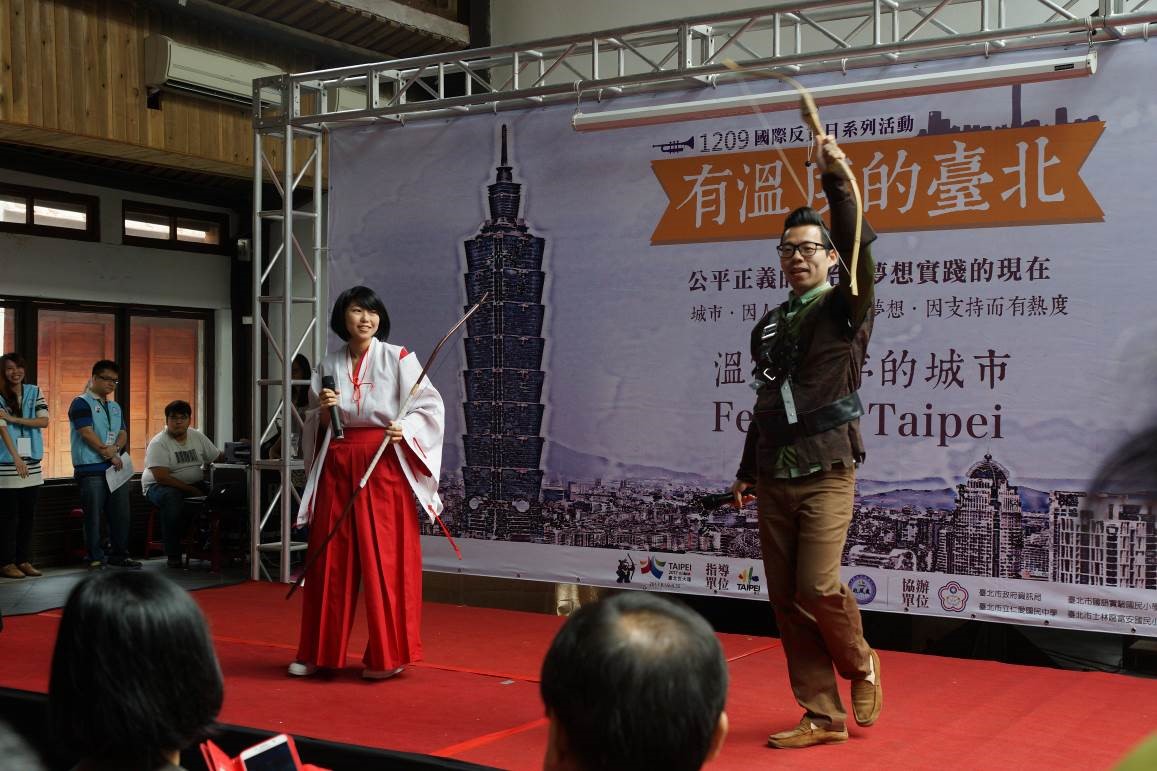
[(784, 99)]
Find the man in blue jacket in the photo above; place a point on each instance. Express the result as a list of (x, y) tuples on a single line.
[(98, 436)]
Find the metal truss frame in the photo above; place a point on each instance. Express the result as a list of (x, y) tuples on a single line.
[(799, 37), (277, 290)]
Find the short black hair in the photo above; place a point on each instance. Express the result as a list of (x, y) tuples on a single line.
[(134, 674), (636, 681), (178, 407), (301, 360), (806, 215), (368, 299), (104, 364)]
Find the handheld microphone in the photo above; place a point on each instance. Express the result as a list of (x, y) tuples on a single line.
[(327, 381), (715, 500)]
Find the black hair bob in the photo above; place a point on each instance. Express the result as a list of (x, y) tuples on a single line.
[(134, 674), (366, 298)]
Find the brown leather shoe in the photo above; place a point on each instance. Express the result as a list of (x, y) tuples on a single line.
[(868, 698), (11, 571), (806, 734), (27, 569)]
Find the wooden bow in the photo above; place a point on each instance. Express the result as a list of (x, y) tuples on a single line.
[(811, 116)]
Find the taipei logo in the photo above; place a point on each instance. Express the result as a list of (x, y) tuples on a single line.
[(863, 588), (652, 567), (953, 597), (748, 581)]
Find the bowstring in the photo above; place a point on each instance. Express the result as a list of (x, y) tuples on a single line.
[(741, 80)]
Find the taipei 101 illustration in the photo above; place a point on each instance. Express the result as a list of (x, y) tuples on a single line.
[(504, 377)]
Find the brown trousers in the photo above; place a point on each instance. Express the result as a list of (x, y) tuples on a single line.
[(803, 524)]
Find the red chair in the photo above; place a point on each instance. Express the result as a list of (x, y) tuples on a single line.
[(153, 545)]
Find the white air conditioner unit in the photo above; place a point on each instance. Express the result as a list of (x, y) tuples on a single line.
[(178, 67), (198, 71)]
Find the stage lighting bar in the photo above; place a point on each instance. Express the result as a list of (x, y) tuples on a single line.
[(785, 99)]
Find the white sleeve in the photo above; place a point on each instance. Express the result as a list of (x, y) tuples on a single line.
[(311, 419), (156, 454), (424, 420), (209, 449)]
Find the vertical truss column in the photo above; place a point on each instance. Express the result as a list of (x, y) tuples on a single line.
[(286, 277)]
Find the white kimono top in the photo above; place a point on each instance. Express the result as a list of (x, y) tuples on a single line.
[(373, 397)]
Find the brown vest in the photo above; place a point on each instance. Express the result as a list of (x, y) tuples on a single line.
[(829, 369)]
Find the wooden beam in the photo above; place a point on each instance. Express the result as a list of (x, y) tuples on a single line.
[(334, 52), (107, 148), (408, 16)]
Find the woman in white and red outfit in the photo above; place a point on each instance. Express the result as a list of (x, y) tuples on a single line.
[(378, 544)]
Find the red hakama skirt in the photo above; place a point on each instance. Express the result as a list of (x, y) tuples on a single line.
[(378, 545)]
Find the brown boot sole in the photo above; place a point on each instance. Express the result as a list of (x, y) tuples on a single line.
[(803, 741)]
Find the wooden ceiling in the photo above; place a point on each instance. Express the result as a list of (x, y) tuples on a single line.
[(401, 34), (74, 103)]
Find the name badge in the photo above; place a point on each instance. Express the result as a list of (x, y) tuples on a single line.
[(110, 438), (23, 446)]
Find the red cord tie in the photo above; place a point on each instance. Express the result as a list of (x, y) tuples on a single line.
[(358, 383)]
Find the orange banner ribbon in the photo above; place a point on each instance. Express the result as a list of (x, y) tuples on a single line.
[(991, 178)]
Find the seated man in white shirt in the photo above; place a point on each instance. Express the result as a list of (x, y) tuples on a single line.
[(174, 465)]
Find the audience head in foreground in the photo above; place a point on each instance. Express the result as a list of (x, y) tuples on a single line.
[(134, 676), (632, 682)]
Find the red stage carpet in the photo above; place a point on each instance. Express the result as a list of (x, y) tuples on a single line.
[(475, 697)]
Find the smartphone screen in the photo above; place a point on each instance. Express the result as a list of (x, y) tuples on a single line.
[(279, 757)]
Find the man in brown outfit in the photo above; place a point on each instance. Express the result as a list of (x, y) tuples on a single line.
[(801, 454)]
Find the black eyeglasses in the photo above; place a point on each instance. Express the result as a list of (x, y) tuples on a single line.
[(805, 248), (111, 380)]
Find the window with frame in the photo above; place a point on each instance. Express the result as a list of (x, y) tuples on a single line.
[(162, 354), (7, 329), (167, 227), (166, 356), (42, 212), (68, 343)]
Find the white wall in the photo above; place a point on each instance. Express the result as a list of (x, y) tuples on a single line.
[(110, 272)]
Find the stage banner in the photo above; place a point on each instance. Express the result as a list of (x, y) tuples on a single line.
[(605, 386)]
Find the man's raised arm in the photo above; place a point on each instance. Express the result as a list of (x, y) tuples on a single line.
[(842, 207)]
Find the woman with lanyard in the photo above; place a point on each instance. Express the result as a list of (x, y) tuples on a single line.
[(367, 383), (23, 416)]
